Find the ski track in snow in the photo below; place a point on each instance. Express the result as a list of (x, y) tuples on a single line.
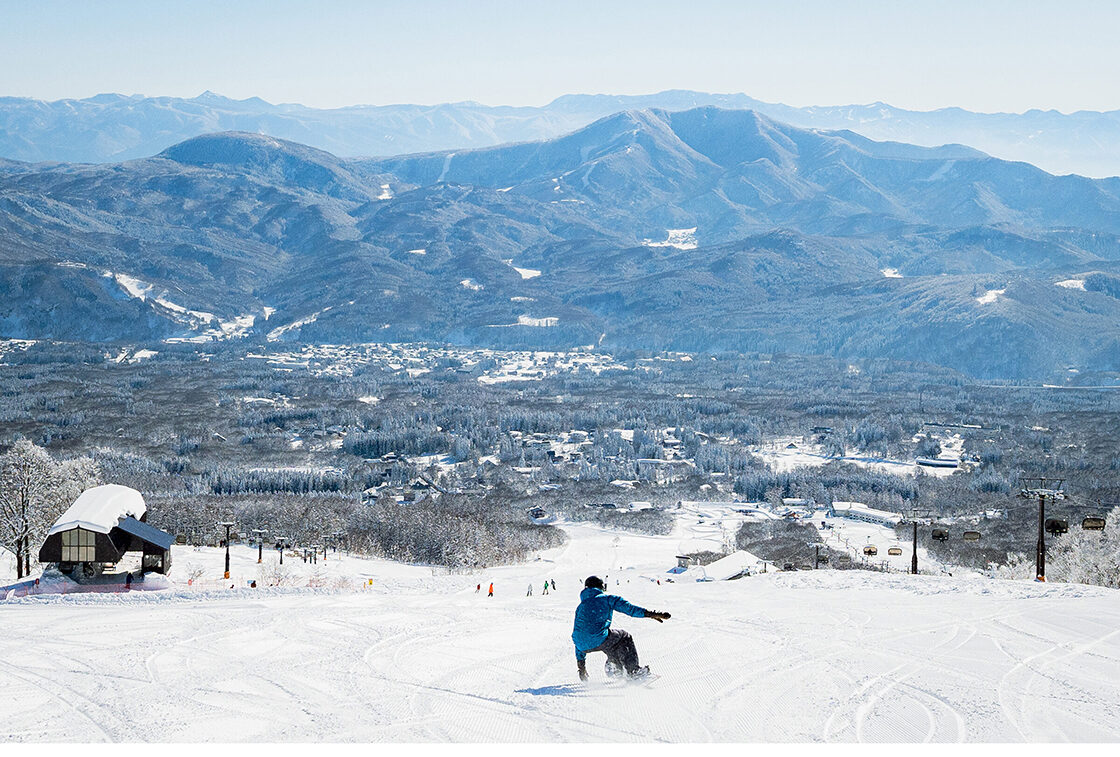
[(806, 656)]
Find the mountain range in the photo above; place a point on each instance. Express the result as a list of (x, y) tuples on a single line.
[(113, 127), (703, 229)]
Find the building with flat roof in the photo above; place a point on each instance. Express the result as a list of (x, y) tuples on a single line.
[(860, 511)]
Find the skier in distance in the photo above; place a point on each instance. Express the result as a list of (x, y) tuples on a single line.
[(593, 632)]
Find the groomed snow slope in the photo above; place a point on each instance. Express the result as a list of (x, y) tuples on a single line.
[(807, 656)]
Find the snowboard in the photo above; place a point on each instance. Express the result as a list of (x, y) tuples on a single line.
[(615, 677)]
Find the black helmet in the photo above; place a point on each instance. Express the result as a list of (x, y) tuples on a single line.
[(594, 582)]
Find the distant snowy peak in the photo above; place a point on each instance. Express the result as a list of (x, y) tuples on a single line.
[(111, 127)]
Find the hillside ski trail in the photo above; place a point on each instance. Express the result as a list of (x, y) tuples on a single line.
[(828, 655)]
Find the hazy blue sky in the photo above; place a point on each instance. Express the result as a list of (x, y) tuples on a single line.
[(997, 55)]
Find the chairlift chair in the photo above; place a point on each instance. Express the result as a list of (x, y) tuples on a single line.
[(1057, 526), (971, 536), (894, 551), (1093, 523), (870, 550), (940, 534)]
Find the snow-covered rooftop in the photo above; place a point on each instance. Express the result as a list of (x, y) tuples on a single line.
[(733, 565), (860, 510), (101, 508)]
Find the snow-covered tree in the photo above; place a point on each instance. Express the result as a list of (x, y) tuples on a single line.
[(928, 447), (834, 446), (1088, 557), (34, 491), (1018, 566)]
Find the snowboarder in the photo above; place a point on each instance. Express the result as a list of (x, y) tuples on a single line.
[(546, 587), (593, 632), (491, 589), (529, 593)]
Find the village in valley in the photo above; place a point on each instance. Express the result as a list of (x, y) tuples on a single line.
[(542, 437), (318, 542)]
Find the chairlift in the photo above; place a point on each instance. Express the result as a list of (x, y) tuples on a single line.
[(1057, 526), (894, 551), (1093, 523), (940, 534), (870, 550), (845, 558), (971, 536), (823, 559)]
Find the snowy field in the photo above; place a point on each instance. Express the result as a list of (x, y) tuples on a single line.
[(781, 457), (420, 656)]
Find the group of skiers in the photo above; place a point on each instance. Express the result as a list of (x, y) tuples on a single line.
[(551, 582), (529, 593)]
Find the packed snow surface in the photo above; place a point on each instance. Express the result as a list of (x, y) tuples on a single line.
[(1071, 284), (419, 655)]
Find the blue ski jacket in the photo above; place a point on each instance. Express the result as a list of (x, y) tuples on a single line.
[(593, 618)]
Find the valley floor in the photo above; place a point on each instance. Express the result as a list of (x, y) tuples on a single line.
[(804, 656)]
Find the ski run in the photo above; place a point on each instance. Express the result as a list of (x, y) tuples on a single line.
[(370, 650)]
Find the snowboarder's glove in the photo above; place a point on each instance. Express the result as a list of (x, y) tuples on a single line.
[(660, 617), (582, 669)]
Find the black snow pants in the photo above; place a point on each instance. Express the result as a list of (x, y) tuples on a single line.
[(620, 650)]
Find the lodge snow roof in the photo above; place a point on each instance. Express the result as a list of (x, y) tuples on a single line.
[(101, 508), (732, 565)]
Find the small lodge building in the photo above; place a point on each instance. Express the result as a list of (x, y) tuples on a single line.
[(103, 524), (860, 511)]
